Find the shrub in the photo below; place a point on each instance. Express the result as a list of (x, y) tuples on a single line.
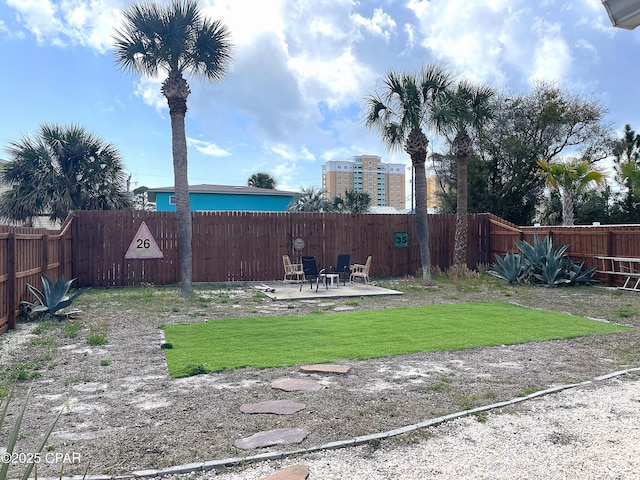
[(95, 339), (71, 329)]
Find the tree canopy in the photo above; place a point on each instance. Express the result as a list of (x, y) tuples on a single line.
[(60, 169), (546, 124), (354, 201), (310, 199), (262, 180)]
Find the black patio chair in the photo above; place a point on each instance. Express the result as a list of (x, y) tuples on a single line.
[(311, 273), (342, 267)]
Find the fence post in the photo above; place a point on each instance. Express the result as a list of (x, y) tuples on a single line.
[(45, 255), (11, 282), (610, 244)]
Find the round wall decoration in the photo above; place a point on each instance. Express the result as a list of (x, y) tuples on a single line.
[(298, 243)]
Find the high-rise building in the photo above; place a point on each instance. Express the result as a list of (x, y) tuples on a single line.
[(433, 202), (384, 182)]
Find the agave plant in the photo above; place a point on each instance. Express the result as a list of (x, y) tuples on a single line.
[(551, 272), (542, 251), (52, 298), (513, 268), (543, 263), (578, 276)]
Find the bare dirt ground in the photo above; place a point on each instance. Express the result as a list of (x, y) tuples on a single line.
[(124, 413)]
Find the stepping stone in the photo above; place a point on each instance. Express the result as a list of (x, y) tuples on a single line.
[(325, 368), (296, 385), (346, 308), (280, 436), (295, 472), (276, 407)]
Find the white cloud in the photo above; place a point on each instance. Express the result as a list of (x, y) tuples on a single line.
[(70, 22), (339, 81), (497, 41), (287, 163), (552, 56), (411, 35), (287, 152), (39, 17), (322, 27), (246, 19), (589, 48), (149, 90), (9, 33), (472, 37), (207, 148), (381, 24)]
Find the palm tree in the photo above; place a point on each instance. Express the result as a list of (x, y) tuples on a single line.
[(571, 179), (354, 201), (262, 180), (310, 200), (172, 41), (357, 201), (464, 107), (399, 115), (58, 170)]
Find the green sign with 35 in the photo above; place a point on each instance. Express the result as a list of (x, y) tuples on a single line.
[(401, 239)]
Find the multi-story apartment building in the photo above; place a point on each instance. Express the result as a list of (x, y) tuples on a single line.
[(433, 202), (384, 182)]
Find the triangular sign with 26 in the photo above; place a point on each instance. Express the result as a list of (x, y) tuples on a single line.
[(143, 245)]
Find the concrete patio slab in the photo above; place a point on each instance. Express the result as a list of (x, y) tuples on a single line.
[(291, 291)]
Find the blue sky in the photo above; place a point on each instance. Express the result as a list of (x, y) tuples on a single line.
[(293, 97)]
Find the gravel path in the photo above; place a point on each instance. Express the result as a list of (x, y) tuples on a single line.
[(590, 432)]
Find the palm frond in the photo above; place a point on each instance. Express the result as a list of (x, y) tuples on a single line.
[(174, 38)]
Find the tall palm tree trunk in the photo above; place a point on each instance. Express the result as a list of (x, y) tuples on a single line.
[(177, 90), (463, 152), (183, 205), (568, 211), (462, 219), (416, 147)]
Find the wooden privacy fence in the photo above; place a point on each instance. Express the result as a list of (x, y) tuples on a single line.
[(248, 246), (25, 255)]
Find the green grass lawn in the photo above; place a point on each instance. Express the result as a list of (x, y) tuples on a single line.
[(320, 338)]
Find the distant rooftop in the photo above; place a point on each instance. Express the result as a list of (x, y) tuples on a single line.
[(226, 189), (382, 209)]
